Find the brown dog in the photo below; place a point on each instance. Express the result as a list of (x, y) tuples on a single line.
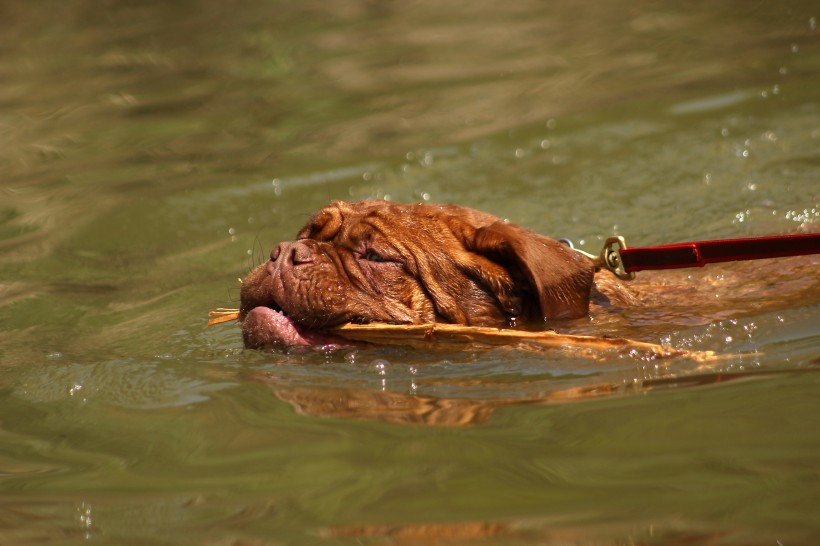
[(376, 261)]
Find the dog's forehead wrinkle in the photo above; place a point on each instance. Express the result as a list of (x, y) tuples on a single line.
[(350, 271), (365, 233), (436, 274), (374, 297), (459, 284)]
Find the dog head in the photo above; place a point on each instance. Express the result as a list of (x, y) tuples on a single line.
[(377, 261)]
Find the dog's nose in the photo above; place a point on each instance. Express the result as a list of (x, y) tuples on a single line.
[(276, 252), (292, 253)]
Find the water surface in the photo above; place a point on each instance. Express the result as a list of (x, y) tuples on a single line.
[(151, 153)]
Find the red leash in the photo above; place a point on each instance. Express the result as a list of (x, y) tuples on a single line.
[(625, 261)]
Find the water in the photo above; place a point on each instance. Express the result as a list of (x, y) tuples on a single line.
[(151, 153)]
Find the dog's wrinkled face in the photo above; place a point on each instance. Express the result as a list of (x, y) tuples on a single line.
[(376, 261)]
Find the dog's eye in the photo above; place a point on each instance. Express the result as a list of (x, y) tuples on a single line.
[(371, 256)]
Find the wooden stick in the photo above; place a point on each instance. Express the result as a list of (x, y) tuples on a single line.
[(422, 335), (457, 336), (223, 315)]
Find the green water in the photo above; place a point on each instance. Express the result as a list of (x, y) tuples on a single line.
[(150, 153)]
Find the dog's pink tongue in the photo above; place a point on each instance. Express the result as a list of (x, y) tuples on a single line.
[(264, 328)]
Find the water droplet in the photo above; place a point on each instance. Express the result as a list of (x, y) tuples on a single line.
[(84, 519), (381, 366)]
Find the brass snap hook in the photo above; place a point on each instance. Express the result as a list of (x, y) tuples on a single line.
[(610, 258)]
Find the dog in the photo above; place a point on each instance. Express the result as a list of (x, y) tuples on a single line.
[(379, 261)]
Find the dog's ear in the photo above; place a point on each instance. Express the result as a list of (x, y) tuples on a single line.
[(322, 226), (561, 277)]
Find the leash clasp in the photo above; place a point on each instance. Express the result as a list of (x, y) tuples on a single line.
[(566, 242), (610, 258)]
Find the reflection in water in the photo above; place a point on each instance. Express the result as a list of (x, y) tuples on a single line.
[(413, 409), (528, 531)]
